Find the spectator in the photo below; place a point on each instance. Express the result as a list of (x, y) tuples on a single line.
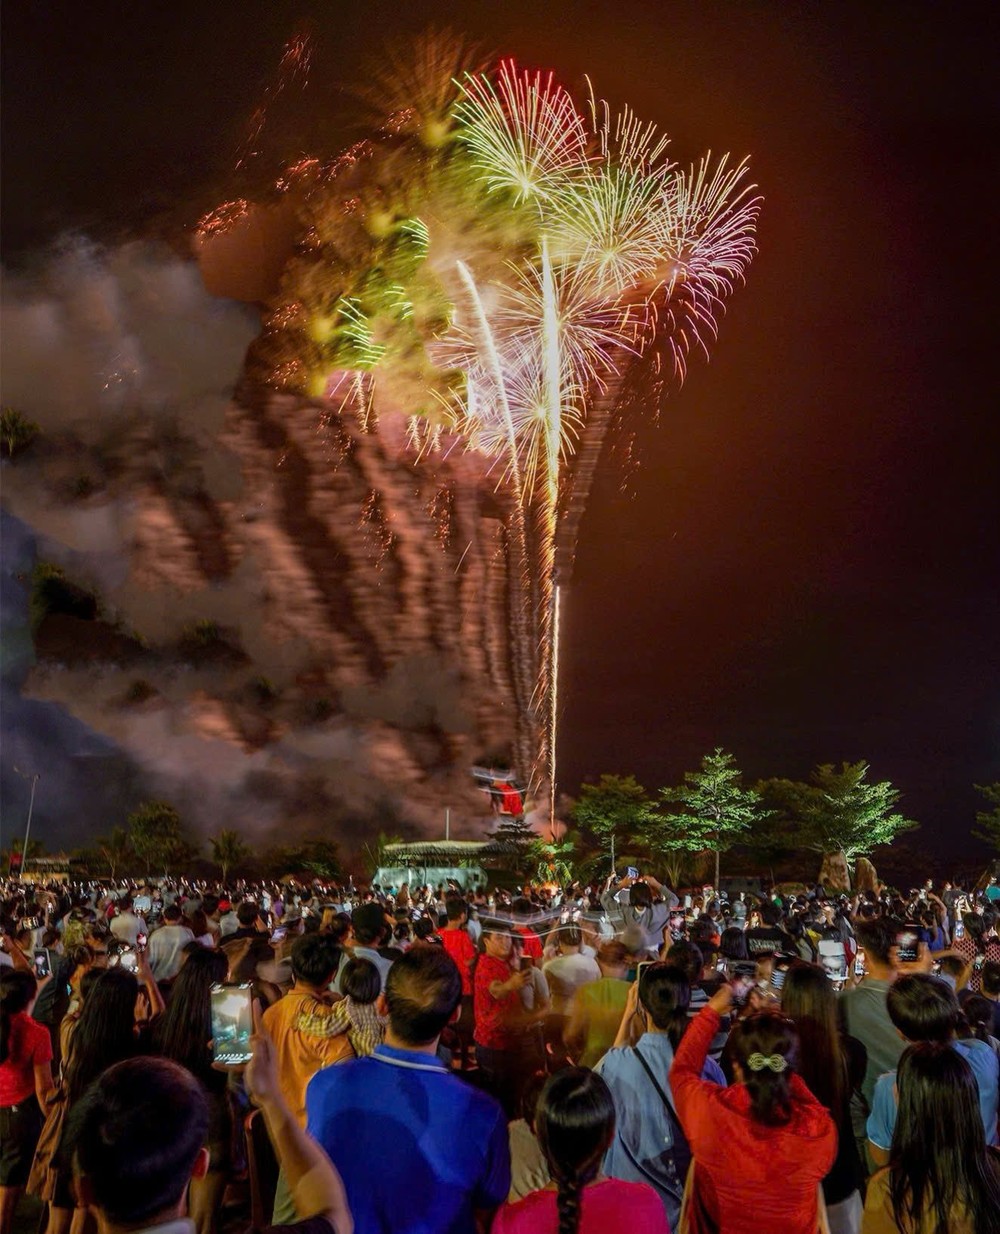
[(631, 905), (649, 1145), (832, 1067), (440, 1145), (499, 1015), (924, 1008), (940, 1176), (769, 938), (989, 987), (130, 1179), (127, 925), (599, 1007), (184, 1033), (980, 945), (575, 1121), (761, 1146), (568, 971), (165, 951), (362, 984), (528, 1168), (369, 927), (25, 1083)]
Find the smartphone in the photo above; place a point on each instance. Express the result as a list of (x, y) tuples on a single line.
[(631, 872), (782, 963), (676, 927), (140, 941), (908, 943), (232, 1023), (833, 958), (129, 960), (859, 964), (29, 923), (42, 969), (641, 967), (743, 979), (279, 934)]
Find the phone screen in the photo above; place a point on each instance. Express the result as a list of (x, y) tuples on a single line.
[(743, 979), (641, 966), (781, 965), (279, 934), (833, 957), (140, 941), (129, 960), (232, 1023), (632, 872), (908, 944), (41, 963), (859, 964)]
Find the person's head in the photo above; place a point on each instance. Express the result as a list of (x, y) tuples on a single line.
[(570, 939), (361, 981), (938, 1158), (665, 994), (185, 1028), (640, 896), (612, 958), (132, 1177), (210, 905), (496, 940), (923, 1008), (766, 1055), (574, 1122), (978, 1012), (315, 959), (457, 910), (368, 921), (952, 967), (422, 991), (989, 981), (771, 914), (125, 904), (809, 1000), (425, 929), (877, 938), (18, 991), (172, 914), (105, 1033), (733, 944), (198, 923), (247, 914), (688, 958)]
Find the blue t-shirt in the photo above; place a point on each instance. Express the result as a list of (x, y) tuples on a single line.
[(985, 1067), (419, 1150)]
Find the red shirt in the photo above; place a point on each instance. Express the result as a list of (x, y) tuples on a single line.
[(494, 1015), (532, 943), (608, 1205), (462, 950), (28, 1046)]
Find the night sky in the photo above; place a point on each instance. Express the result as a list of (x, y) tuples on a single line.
[(804, 566)]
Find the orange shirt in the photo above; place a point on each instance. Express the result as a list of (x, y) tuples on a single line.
[(462, 950), (308, 1035)]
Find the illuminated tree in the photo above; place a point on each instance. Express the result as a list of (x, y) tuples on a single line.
[(617, 809), (228, 849), (157, 835)]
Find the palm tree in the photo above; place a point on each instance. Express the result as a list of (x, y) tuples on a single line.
[(115, 848), (228, 850)]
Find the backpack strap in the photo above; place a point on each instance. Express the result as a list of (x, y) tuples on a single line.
[(659, 1088)]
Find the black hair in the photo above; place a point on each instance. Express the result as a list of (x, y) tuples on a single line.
[(688, 958), (368, 921), (361, 981), (423, 989), (185, 1028), (574, 1122), (569, 936), (733, 944), (640, 896), (939, 1159), (989, 981), (923, 1008), (424, 928), (810, 1001), (953, 965), (315, 959), (665, 993), (771, 914), (456, 907), (247, 913), (105, 1032), (17, 989), (876, 936), (770, 1092), (135, 1177), (172, 913), (978, 1012)]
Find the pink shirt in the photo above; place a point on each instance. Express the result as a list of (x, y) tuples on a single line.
[(604, 1207), (29, 1046)]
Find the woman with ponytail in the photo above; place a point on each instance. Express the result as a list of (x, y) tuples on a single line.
[(761, 1146), (574, 1121), (25, 1081)]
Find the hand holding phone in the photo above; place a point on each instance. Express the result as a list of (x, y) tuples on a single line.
[(232, 1024), (42, 968)]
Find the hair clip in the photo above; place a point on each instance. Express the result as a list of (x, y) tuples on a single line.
[(775, 1062)]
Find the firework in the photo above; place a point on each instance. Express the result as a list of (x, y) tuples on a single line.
[(499, 263)]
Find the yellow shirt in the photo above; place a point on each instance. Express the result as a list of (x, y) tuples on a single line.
[(308, 1035)]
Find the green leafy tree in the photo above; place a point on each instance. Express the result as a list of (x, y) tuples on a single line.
[(554, 860), (987, 826), (839, 813), (228, 850), (375, 853), (17, 432), (519, 840), (321, 859), (716, 811), (616, 809), (157, 835), (116, 849)]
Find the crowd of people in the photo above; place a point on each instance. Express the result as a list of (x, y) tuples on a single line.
[(575, 1060)]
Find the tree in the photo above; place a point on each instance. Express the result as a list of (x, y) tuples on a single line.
[(988, 821), (616, 809), (157, 835), (16, 431), (839, 814), (518, 839), (228, 849), (375, 853), (553, 858), (115, 848), (716, 810)]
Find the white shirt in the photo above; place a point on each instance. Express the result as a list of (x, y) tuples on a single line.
[(126, 927), (566, 973), (165, 950)]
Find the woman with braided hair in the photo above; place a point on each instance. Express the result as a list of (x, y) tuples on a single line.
[(760, 1147), (574, 1122)]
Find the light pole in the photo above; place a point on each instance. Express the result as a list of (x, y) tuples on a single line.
[(31, 807)]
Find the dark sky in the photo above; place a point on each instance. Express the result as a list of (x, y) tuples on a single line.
[(805, 566)]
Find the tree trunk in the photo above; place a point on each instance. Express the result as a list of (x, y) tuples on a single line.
[(717, 855), (834, 873)]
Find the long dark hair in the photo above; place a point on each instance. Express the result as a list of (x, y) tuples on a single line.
[(105, 1033), (574, 1122), (939, 1158), (809, 1000), (767, 1035), (185, 1028), (978, 1012), (733, 944), (665, 995), (17, 989)]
